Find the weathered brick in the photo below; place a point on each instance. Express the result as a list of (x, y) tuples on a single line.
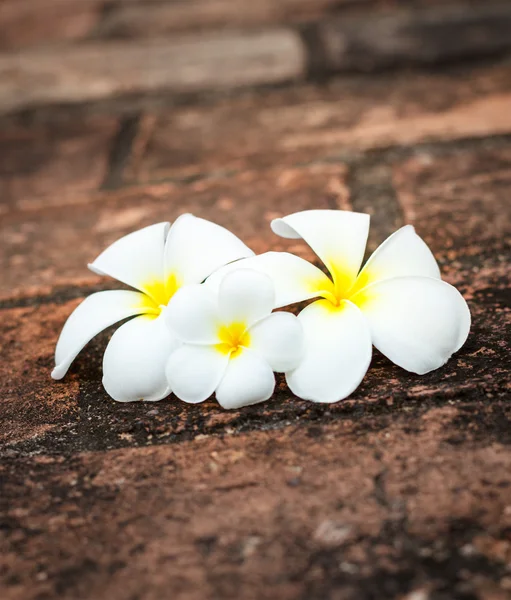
[(32, 22), (410, 37), (311, 511), (31, 406), (307, 122), (459, 199), (98, 70), (35, 244), (55, 161)]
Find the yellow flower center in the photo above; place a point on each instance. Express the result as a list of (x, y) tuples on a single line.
[(342, 288), (233, 338), (158, 294)]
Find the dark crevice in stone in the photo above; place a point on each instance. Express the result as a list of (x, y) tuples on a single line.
[(121, 151)]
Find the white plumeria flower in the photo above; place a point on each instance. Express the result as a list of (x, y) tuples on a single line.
[(396, 302), (232, 342), (157, 260)]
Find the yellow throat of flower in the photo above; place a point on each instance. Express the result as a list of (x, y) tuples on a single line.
[(233, 338), (158, 294)]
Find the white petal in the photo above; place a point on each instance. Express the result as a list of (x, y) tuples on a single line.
[(337, 352), (97, 312), (417, 322), (248, 380), (192, 315), (196, 247), (136, 259), (194, 372), (279, 340), (245, 296), (135, 359), (294, 278), (401, 254), (338, 237)]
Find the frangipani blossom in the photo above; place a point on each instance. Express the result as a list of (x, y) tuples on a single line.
[(232, 342), (396, 302), (157, 261)]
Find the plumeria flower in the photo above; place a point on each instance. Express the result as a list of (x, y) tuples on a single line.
[(232, 342), (157, 261), (396, 302)]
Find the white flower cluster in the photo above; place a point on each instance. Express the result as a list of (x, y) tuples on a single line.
[(203, 303)]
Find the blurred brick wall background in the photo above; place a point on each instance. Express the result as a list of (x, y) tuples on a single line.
[(115, 114)]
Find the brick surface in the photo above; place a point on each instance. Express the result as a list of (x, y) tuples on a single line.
[(333, 510), (35, 243), (459, 199), (53, 161), (310, 122), (32, 22), (103, 70), (415, 37)]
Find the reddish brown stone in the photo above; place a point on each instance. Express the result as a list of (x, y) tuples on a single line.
[(458, 199), (35, 244), (312, 123), (328, 511), (32, 22), (53, 162), (100, 70), (30, 405)]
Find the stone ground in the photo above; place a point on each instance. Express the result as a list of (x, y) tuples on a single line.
[(117, 114)]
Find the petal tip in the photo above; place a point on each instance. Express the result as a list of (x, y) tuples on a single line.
[(58, 372)]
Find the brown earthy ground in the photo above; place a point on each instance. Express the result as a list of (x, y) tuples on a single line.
[(117, 114)]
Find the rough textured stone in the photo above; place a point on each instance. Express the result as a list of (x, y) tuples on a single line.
[(98, 70), (311, 122), (459, 199), (35, 253), (327, 511), (414, 37), (56, 161), (32, 22)]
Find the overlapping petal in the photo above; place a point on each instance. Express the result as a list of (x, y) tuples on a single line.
[(97, 312), (196, 248), (338, 237), (279, 340), (194, 372), (135, 359), (417, 322), (337, 352), (247, 380), (245, 296), (403, 253), (135, 259), (192, 315), (294, 278)]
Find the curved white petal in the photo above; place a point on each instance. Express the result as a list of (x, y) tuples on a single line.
[(196, 247), (245, 296), (97, 312), (294, 278), (417, 322), (401, 254), (194, 372), (279, 340), (247, 380), (192, 314), (135, 359), (337, 352), (338, 237), (135, 259)]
